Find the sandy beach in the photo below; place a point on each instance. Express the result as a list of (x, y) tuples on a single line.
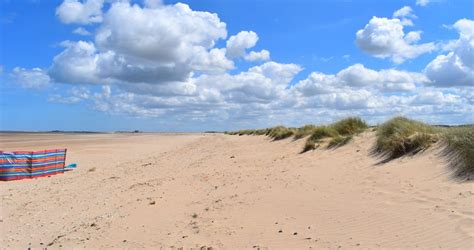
[(224, 191)]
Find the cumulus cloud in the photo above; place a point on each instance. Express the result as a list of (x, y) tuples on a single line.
[(261, 83), (81, 31), (76, 64), (386, 80), (155, 44), (35, 78), (457, 67), (435, 97), (82, 12), (237, 44), (166, 35), (359, 77), (405, 14), (385, 38), (157, 60), (263, 55)]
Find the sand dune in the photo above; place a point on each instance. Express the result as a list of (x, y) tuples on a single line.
[(223, 191)]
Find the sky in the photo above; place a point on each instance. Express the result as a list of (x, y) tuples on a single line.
[(108, 65)]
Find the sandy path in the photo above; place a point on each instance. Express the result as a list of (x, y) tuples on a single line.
[(230, 191)]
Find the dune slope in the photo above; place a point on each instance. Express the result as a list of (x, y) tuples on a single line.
[(215, 190)]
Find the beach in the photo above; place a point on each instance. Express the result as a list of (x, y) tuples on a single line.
[(194, 190)]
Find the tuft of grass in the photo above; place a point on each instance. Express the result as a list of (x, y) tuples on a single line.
[(339, 141), (400, 136), (280, 132), (246, 132), (349, 126), (304, 131), (309, 145), (341, 133), (459, 149), (319, 134)]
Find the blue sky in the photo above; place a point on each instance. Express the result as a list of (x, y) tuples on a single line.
[(222, 65)]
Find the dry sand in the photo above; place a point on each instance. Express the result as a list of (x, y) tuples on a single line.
[(222, 191)]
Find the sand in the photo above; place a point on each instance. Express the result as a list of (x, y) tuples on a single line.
[(222, 191)]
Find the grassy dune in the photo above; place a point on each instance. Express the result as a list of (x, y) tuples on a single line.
[(460, 150), (400, 136), (395, 138)]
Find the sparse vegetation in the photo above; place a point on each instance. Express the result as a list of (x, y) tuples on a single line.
[(280, 132), (317, 135), (349, 126), (400, 136), (341, 133), (304, 131), (339, 141), (397, 137), (460, 150)]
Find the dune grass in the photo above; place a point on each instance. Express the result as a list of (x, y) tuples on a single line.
[(304, 131), (339, 141), (349, 126), (459, 149), (397, 137), (317, 136), (276, 133), (280, 132), (340, 132), (400, 136)]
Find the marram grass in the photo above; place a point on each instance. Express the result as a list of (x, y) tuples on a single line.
[(396, 137), (400, 136), (460, 150), (340, 132)]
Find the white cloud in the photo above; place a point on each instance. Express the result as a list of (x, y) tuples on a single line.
[(359, 77), (422, 2), (156, 44), (465, 27), (82, 12), (405, 14), (212, 61), (281, 74), (405, 11), (81, 31), (434, 97), (160, 44), (457, 67), (260, 84), (263, 55), (316, 83), (76, 64), (162, 60), (385, 38), (385, 80), (343, 99), (31, 79), (165, 35), (237, 44)]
